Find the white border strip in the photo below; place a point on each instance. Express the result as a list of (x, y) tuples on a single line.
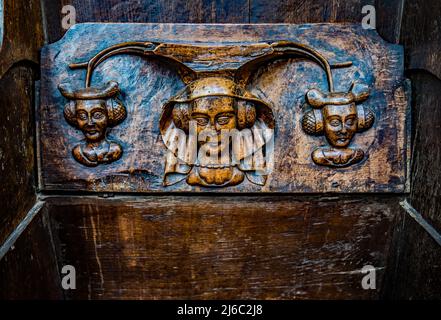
[(20, 228), (421, 221)]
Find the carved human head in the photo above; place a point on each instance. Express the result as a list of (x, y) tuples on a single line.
[(92, 109), (337, 115), (215, 104)]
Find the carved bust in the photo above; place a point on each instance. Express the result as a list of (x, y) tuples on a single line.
[(337, 116), (216, 108), (93, 110)]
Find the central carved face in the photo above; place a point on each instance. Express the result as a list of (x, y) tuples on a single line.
[(212, 115), (340, 124), (92, 118)]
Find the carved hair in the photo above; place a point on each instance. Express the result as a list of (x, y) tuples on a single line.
[(313, 124)]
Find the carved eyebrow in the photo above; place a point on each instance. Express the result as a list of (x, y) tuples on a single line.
[(227, 113), (199, 115), (97, 109)]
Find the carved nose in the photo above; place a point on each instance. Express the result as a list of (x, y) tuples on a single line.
[(343, 129)]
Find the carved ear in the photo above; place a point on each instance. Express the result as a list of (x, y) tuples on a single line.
[(312, 122), (246, 114), (69, 113), (181, 116), (360, 91), (116, 111), (365, 117), (315, 98)]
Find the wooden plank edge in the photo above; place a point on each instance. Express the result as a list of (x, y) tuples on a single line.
[(9, 243)]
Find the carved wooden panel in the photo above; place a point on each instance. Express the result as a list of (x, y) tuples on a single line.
[(223, 108)]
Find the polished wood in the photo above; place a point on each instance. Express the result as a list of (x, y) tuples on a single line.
[(414, 274), (281, 84)]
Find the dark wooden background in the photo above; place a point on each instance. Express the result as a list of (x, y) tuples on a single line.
[(408, 254)]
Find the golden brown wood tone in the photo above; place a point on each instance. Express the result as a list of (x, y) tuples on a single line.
[(278, 85)]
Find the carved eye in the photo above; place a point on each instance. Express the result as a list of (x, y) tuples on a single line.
[(98, 115), (350, 121), (335, 123), (223, 120), (201, 121), (82, 116)]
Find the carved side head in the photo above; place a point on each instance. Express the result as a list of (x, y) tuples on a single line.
[(92, 110), (337, 115)]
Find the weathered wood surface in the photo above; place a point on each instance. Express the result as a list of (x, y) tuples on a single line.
[(17, 190), (22, 38), (414, 266), (254, 247), (197, 11), (29, 270), (22, 33), (149, 84), (300, 11), (426, 168), (421, 35)]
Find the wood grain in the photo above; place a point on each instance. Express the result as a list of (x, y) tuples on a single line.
[(29, 270), (254, 247), (22, 37), (421, 35), (23, 33), (282, 84), (301, 11), (17, 184), (426, 167), (414, 266)]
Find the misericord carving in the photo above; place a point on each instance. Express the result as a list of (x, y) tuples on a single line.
[(216, 131)]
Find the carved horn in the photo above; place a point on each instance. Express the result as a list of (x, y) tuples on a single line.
[(285, 50), (138, 48)]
